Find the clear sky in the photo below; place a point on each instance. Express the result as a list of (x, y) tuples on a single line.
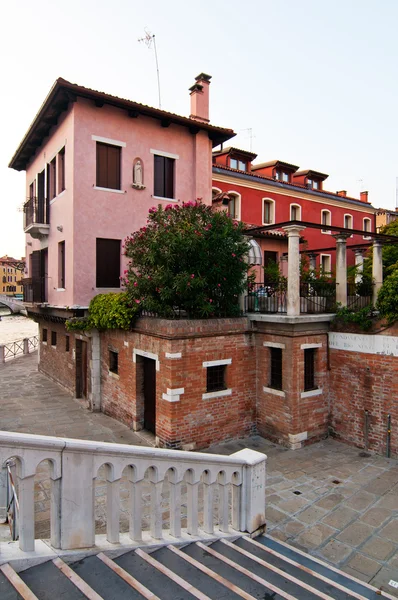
[(315, 80)]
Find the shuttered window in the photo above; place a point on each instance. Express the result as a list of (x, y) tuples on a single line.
[(108, 263), (108, 166), (61, 170), (276, 368), (164, 176)]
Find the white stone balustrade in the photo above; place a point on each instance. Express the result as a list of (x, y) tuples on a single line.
[(74, 468)]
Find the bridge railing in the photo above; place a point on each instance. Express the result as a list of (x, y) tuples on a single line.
[(13, 349), (192, 480)]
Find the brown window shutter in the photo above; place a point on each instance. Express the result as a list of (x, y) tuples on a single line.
[(169, 178), (158, 187), (113, 167), (102, 165), (108, 263)]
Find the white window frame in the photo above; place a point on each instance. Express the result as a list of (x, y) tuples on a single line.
[(352, 222), (272, 210), (215, 189), (327, 212), (328, 272), (366, 219), (295, 205), (238, 198)]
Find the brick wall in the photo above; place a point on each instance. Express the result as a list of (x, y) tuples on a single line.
[(55, 361), (181, 348), (291, 415), (361, 382)]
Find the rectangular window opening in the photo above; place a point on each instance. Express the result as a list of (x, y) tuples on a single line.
[(61, 265), (44, 335), (107, 263), (108, 166), (309, 369), (67, 344), (275, 368), (53, 338), (216, 378), (61, 170), (164, 176), (113, 362)]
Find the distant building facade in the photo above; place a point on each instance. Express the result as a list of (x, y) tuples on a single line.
[(11, 274)]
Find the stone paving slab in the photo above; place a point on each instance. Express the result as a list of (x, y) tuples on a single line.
[(325, 499)]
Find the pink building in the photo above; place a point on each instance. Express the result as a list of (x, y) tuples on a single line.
[(94, 165)]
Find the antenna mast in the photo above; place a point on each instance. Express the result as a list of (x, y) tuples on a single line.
[(148, 39), (250, 136)]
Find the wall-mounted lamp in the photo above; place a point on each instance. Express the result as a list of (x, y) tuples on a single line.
[(60, 228)]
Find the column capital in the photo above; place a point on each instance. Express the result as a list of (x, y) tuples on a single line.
[(293, 230), (359, 251), (377, 243), (312, 254), (341, 237)]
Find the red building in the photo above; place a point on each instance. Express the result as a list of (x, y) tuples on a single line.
[(277, 192)]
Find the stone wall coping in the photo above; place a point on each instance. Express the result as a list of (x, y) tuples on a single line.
[(188, 328), (302, 319), (23, 441)]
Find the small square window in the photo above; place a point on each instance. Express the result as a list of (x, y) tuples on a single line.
[(216, 378), (233, 163), (67, 345), (44, 335), (242, 165), (113, 362), (53, 338)]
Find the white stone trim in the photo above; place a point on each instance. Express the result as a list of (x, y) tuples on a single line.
[(60, 289), (102, 189), (216, 363), (310, 393), (104, 140), (163, 153), (165, 199), (308, 346), (173, 395), (126, 343), (145, 354), (273, 391), (298, 437), (57, 196), (218, 394), (274, 345), (385, 345), (173, 355), (272, 207)]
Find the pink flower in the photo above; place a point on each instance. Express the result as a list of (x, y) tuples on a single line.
[(137, 301), (192, 276), (219, 284), (210, 300), (168, 207), (233, 254)]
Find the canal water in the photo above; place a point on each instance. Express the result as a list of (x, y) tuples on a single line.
[(15, 327)]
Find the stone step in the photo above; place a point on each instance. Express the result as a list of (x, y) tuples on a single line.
[(222, 570)]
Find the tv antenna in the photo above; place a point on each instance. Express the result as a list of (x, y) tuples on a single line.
[(250, 136), (149, 39)]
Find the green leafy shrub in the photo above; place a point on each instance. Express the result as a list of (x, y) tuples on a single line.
[(106, 311), (362, 317), (187, 259), (387, 299)]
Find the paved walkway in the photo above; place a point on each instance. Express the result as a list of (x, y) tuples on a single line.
[(327, 499)]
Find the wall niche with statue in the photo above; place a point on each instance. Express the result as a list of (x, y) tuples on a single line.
[(138, 174)]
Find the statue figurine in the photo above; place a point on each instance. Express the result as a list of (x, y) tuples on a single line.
[(137, 175)]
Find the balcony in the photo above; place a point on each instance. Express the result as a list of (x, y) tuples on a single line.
[(34, 290), (37, 217)]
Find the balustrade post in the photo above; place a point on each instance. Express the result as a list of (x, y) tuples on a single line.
[(236, 505), (77, 500), (26, 345), (223, 505), (175, 508), (192, 503), (252, 500), (2, 353), (26, 513), (3, 493), (135, 528), (55, 510), (208, 502), (156, 509), (113, 510)]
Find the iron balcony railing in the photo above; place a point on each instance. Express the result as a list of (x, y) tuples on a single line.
[(315, 297), (359, 295), (36, 212), (34, 289)]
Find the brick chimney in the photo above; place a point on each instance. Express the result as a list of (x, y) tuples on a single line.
[(200, 98), (342, 193), (363, 196)]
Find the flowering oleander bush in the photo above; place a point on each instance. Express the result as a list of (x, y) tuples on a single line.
[(187, 259)]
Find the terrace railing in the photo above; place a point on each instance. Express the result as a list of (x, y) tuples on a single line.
[(266, 297), (359, 295), (13, 349), (315, 297), (74, 466)]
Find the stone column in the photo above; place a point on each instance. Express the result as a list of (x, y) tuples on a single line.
[(377, 270), (341, 268), (293, 280), (359, 265)]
